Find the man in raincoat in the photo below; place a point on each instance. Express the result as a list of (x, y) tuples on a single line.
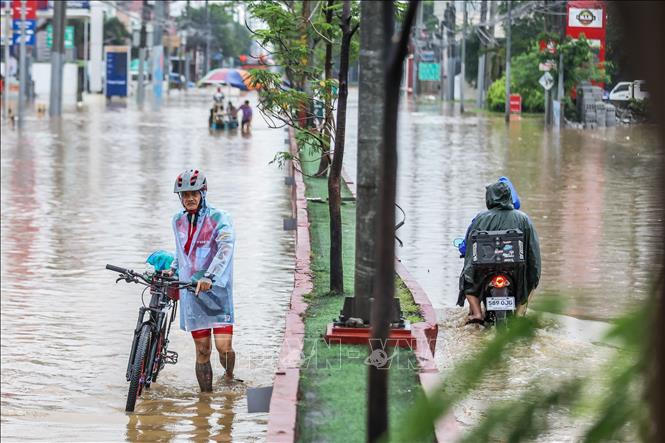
[(204, 241), (501, 215)]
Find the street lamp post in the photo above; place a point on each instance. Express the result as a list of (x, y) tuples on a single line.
[(8, 23), (22, 67)]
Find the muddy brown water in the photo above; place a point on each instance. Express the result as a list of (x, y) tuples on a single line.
[(97, 189), (594, 200)]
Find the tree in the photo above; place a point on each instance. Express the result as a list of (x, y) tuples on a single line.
[(395, 51), (227, 37), (334, 179), (115, 32), (292, 34), (371, 100), (579, 65)]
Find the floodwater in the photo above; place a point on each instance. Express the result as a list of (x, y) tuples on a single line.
[(593, 198), (97, 189)]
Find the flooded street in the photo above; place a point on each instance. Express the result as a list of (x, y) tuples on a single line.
[(593, 198), (98, 189)]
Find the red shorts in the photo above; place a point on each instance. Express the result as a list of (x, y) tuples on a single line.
[(202, 333)]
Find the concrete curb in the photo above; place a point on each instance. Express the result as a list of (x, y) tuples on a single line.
[(284, 401)]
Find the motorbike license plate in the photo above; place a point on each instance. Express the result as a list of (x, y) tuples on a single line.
[(500, 303)]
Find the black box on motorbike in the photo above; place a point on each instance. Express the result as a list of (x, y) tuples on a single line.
[(497, 247)]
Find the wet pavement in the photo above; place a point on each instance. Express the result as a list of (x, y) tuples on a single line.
[(593, 198), (97, 189)]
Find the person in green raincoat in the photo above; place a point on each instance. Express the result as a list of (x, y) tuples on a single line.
[(501, 215)]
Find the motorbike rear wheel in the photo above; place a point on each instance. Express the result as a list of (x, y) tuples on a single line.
[(501, 319)]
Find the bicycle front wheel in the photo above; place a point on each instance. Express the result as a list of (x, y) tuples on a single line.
[(139, 367)]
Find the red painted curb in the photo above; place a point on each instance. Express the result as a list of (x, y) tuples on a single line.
[(284, 400)]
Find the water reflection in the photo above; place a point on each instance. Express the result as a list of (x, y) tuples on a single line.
[(96, 188), (593, 198)]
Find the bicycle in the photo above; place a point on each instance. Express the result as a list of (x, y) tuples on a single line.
[(149, 353)]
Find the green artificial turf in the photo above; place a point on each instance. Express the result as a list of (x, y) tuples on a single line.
[(333, 379)]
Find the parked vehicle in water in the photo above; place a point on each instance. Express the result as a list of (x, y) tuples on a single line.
[(623, 92)]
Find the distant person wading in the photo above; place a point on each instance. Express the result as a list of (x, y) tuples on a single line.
[(246, 117)]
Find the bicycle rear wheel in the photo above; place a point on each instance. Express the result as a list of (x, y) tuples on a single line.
[(139, 366)]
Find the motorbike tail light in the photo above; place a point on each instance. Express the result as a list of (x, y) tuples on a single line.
[(500, 281)]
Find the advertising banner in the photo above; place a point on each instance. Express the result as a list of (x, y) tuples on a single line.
[(429, 72), (30, 9), (117, 71), (69, 37), (585, 17)]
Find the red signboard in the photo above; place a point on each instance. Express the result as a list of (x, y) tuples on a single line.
[(515, 104), (588, 17), (30, 9)]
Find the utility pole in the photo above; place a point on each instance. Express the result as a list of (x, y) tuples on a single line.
[(560, 90), (157, 53), (23, 66), (206, 54), (189, 23), (451, 52), (490, 58), (416, 56), (461, 83), (548, 93), (140, 90), (482, 56), (8, 24), (442, 57), (508, 25), (86, 25), (57, 58)]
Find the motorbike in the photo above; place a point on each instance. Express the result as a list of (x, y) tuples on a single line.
[(497, 258)]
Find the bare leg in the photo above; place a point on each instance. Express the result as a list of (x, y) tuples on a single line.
[(227, 356), (474, 303), (203, 366)]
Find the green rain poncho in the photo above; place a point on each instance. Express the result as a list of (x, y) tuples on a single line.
[(501, 215)]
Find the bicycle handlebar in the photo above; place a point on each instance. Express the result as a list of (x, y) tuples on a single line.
[(129, 273), (118, 269)]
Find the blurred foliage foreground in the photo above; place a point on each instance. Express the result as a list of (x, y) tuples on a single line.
[(618, 409)]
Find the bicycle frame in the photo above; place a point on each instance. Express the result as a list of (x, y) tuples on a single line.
[(159, 307)]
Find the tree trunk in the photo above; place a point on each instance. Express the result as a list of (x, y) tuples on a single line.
[(325, 155), (370, 109), (384, 283), (302, 83), (334, 188)]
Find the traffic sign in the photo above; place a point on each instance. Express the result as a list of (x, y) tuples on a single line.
[(515, 104), (546, 81), (547, 66), (30, 26)]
